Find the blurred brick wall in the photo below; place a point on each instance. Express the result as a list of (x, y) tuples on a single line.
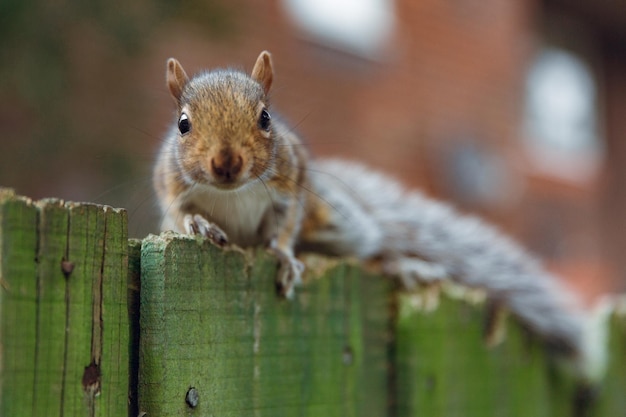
[(448, 94), (614, 189), (454, 74)]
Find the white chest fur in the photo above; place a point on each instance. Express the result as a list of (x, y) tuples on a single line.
[(240, 213)]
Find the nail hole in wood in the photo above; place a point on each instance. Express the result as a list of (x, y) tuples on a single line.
[(192, 398)]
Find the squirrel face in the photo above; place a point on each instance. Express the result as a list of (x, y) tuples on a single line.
[(225, 137)]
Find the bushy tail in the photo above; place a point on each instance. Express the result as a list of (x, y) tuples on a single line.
[(414, 229)]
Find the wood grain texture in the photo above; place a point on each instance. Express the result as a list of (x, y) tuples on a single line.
[(92, 324), (64, 273), (50, 386), (18, 295), (444, 368)]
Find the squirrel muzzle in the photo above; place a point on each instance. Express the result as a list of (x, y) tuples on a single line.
[(226, 166)]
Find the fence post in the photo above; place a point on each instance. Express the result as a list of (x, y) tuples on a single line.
[(216, 340), (63, 308)]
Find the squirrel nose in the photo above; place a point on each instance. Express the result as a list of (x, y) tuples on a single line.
[(226, 166)]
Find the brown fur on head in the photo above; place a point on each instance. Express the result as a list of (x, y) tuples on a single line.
[(225, 137)]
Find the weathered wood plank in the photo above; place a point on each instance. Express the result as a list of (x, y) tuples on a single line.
[(84, 258), (97, 365), (64, 273), (18, 293), (115, 323), (50, 342), (444, 366), (211, 321)]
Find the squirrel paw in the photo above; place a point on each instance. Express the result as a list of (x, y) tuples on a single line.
[(289, 276), (289, 273), (198, 225)]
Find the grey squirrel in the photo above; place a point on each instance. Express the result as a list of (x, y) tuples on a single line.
[(229, 171)]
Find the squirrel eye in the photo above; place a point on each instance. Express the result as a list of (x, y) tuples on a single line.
[(184, 125), (264, 120)]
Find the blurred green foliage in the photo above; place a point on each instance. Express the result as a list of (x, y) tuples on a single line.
[(34, 35), (73, 115)]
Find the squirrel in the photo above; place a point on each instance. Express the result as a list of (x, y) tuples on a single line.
[(231, 172)]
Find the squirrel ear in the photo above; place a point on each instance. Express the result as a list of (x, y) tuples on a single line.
[(262, 71), (176, 78)]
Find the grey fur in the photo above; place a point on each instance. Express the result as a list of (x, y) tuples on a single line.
[(378, 218)]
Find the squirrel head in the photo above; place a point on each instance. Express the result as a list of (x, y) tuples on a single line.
[(224, 132)]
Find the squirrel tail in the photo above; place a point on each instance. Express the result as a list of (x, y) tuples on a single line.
[(421, 239)]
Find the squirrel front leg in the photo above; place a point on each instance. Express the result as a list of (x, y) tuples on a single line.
[(196, 224), (282, 246), (284, 222)]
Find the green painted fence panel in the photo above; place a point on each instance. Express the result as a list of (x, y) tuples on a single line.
[(95, 324), (64, 325), (18, 298)]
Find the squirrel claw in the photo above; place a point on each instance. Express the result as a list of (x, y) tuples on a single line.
[(198, 225), (289, 276), (289, 273)]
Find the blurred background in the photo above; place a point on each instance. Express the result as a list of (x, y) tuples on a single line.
[(513, 110)]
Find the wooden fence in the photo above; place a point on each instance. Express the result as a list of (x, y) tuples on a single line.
[(95, 324)]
